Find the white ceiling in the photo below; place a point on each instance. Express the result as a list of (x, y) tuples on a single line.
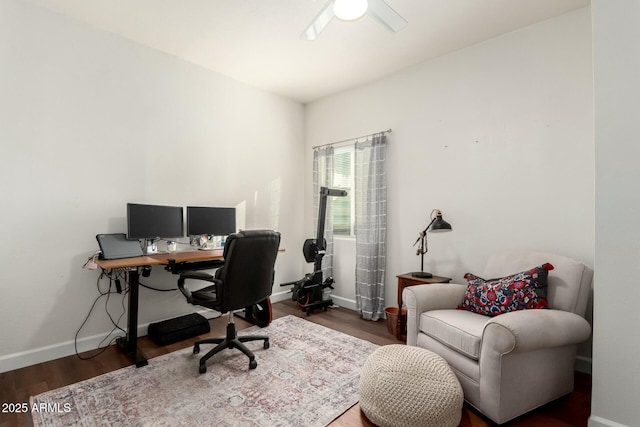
[(258, 41)]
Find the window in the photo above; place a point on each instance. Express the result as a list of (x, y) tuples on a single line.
[(343, 209)]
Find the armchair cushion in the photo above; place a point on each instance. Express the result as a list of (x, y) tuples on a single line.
[(459, 330), (520, 291)]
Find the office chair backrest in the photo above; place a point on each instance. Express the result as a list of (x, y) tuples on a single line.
[(248, 270)]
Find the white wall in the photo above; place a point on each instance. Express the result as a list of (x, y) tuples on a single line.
[(90, 121), (616, 377), (499, 136)]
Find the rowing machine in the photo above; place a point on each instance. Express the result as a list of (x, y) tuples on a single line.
[(312, 292)]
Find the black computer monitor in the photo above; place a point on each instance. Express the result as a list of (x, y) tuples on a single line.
[(154, 221), (211, 221)]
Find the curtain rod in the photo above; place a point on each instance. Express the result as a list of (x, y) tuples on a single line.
[(352, 139)]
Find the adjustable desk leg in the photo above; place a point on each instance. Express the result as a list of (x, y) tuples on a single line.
[(130, 343)]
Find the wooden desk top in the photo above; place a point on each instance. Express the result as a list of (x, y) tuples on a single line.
[(160, 259), (163, 259)]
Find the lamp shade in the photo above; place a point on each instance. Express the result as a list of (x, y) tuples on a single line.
[(350, 10), (440, 225)]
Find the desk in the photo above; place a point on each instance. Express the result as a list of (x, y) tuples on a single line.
[(130, 343)]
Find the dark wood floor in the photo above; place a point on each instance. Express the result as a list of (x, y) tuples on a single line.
[(17, 386)]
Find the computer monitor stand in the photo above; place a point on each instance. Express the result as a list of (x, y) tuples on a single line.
[(150, 247)]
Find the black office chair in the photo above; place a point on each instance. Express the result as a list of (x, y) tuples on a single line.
[(245, 279)]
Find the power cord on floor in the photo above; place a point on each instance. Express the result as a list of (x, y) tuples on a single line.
[(114, 277)]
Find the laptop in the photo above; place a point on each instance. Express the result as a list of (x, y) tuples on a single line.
[(116, 246)]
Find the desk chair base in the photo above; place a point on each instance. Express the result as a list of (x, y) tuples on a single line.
[(232, 340)]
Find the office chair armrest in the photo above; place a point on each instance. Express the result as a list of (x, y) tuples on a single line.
[(196, 275)]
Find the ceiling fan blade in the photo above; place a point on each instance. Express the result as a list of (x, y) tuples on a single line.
[(386, 15), (324, 17)]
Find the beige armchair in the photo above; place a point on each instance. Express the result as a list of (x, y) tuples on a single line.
[(514, 362)]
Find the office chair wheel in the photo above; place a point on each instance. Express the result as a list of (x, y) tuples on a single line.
[(252, 364), (266, 344), (196, 349), (202, 369)]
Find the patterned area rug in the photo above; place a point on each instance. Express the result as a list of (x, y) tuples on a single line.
[(308, 377)]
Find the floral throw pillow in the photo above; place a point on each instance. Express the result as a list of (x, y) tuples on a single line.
[(520, 291)]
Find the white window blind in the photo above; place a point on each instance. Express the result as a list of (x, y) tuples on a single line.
[(343, 210)]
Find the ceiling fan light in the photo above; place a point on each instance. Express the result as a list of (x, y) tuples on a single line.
[(350, 10)]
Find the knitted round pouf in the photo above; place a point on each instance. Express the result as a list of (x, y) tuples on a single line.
[(409, 386)]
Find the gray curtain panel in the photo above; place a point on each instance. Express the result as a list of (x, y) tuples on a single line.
[(371, 225), (323, 177)]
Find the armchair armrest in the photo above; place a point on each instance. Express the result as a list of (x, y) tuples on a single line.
[(528, 330), (421, 298), (196, 275)]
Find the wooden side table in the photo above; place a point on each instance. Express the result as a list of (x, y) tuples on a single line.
[(405, 280)]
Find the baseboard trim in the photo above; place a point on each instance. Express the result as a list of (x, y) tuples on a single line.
[(52, 352), (595, 421), (280, 296), (345, 302), (34, 356), (342, 302)]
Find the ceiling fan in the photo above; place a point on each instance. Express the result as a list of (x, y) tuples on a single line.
[(350, 10)]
